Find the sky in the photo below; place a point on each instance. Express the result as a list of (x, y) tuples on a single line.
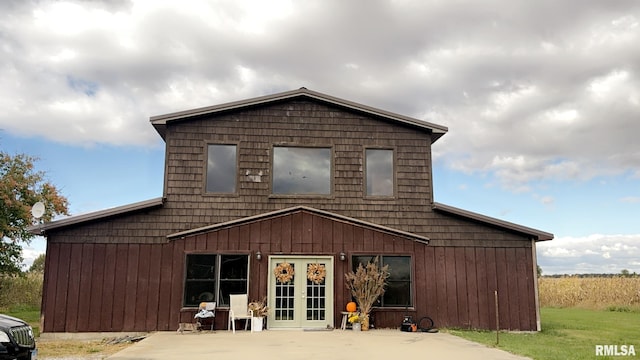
[(541, 98)]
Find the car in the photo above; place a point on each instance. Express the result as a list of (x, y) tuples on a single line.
[(17, 340)]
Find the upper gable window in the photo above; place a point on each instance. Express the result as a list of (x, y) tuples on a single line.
[(301, 170), (379, 172), (221, 168)]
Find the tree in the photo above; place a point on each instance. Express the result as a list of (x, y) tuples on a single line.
[(21, 186), (539, 270), (10, 257), (38, 264), (625, 273)]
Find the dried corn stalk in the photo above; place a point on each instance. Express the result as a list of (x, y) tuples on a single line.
[(367, 284)]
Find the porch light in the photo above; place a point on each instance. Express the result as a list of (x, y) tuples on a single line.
[(343, 256), (258, 255)]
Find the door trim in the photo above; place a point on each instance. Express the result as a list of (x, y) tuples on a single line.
[(329, 290)]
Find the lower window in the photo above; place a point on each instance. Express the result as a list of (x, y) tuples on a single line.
[(399, 284), (213, 277)]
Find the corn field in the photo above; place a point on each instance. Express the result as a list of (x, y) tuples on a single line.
[(601, 293)]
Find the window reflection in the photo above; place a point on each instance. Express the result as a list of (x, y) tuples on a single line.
[(207, 281), (299, 170), (379, 172), (221, 168), (398, 290)]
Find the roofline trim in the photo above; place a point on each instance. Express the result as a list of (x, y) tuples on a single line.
[(276, 213), (161, 120), (96, 215), (538, 235)]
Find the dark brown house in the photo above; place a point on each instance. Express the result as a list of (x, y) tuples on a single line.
[(298, 177)]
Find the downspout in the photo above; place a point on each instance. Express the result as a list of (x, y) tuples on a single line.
[(535, 283)]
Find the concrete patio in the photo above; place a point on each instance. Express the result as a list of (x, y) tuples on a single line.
[(297, 344)]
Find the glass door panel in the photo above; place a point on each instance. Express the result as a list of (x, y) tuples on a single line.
[(301, 292), (284, 308)]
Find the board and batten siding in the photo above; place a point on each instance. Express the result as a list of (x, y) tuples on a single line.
[(109, 286)]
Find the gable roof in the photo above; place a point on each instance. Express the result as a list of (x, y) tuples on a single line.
[(294, 209), (537, 235), (96, 215), (159, 122)]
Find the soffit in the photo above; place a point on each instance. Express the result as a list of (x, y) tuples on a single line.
[(537, 235), (160, 122)]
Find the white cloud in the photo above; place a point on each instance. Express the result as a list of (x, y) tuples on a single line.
[(595, 253), (630, 199), (29, 254), (547, 200), (527, 95)]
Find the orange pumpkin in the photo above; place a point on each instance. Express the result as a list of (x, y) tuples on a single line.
[(351, 306)]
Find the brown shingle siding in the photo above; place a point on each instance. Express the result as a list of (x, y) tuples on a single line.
[(320, 124)]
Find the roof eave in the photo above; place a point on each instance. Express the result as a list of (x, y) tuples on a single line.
[(41, 229), (535, 234), (159, 122)]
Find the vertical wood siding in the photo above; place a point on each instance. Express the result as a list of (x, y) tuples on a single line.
[(123, 268), (139, 287)]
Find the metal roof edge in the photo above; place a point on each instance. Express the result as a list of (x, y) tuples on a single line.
[(78, 219), (159, 121), (164, 118), (289, 210), (537, 234)]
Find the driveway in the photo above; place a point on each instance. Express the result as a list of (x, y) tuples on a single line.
[(292, 344)]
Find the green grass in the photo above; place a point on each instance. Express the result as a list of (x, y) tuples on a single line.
[(29, 314), (568, 333)]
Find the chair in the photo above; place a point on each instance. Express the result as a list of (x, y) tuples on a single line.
[(207, 313), (239, 310)]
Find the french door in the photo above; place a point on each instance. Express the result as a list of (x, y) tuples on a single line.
[(300, 292)]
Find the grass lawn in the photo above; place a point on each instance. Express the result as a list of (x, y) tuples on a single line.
[(63, 348), (568, 333), (30, 315)]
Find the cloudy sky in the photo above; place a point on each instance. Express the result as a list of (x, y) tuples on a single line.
[(542, 98)]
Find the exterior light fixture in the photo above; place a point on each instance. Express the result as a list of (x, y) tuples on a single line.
[(258, 255), (343, 257)]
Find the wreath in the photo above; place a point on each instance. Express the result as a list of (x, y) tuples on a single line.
[(316, 273), (284, 272)]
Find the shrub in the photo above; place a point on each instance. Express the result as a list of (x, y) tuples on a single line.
[(21, 292)]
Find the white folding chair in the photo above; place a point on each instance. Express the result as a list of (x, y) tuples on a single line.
[(206, 314), (239, 310)]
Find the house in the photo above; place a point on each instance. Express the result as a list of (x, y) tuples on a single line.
[(297, 178)]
